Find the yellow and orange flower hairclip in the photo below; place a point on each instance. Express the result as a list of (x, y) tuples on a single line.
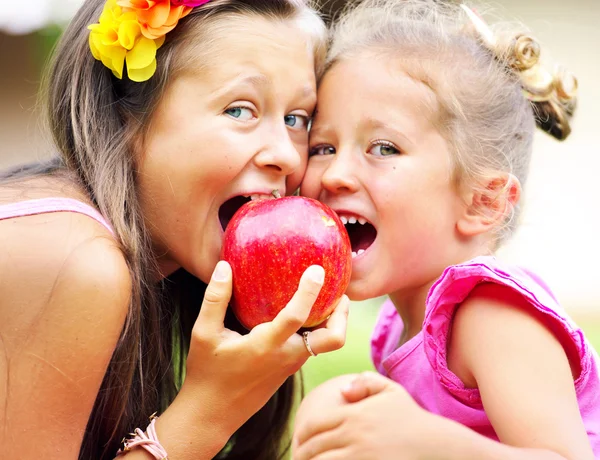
[(130, 31)]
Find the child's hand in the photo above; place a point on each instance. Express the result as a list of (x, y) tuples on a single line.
[(363, 417), (231, 376)]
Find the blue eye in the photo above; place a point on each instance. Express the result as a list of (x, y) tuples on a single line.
[(240, 113), (383, 149), (296, 121), (321, 150)]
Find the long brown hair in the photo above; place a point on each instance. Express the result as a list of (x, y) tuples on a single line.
[(95, 121)]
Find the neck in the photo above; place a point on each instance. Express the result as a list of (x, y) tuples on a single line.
[(411, 306), (165, 268)]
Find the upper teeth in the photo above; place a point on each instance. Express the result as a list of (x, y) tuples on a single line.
[(260, 196), (348, 219)]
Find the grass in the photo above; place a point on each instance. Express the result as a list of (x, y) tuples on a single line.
[(355, 355)]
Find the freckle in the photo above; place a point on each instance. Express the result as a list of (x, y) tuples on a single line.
[(394, 167)]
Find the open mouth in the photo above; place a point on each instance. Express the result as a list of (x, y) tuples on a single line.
[(361, 232), (231, 206)]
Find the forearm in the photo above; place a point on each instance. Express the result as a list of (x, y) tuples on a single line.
[(461, 443), (186, 432)]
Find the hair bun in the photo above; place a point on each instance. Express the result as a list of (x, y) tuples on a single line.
[(553, 95), (526, 53), (553, 114)]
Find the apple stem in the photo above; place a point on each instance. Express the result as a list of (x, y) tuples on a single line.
[(276, 193)]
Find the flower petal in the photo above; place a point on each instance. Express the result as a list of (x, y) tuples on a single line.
[(142, 74), (142, 54), (117, 56), (129, 32)]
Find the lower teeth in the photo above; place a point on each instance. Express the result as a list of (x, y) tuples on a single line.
[(358, 253)]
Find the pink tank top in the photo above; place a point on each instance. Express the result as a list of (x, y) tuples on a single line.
[(420, 364), (48, 205)]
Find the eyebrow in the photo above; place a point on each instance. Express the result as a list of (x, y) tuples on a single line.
[(260, 81), (369, 123), (372, 123)]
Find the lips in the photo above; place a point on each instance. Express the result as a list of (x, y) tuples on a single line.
[(361, 232), (230, 207)]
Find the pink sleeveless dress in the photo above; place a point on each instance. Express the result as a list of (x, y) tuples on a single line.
[(420, 365), (49, 205)]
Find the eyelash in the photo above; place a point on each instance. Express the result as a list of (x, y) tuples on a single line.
[(240, 106), (313, 150), (381, 142), (305, 118)]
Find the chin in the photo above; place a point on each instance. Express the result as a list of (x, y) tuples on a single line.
[(361, 290)]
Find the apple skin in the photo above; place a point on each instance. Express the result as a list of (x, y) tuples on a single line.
[(270, 243)]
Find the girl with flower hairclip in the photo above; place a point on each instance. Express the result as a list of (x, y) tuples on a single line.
[(421, 142), (166, 116)]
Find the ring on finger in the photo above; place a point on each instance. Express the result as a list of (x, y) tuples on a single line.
[(307, 344)]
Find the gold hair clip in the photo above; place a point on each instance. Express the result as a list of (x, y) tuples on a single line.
[(554, 92)]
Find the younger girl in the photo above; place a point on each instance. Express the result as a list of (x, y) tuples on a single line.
[(167, 116), (421, 143)]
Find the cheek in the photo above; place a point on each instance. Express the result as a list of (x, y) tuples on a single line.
[(294, 180), (311, 184)]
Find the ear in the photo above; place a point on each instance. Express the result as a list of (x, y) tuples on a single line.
[(489, 204)]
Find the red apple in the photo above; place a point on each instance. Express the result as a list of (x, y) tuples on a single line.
[(269, 244)]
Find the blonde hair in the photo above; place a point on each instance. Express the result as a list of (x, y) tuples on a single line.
[(490, 83), (96, 122)]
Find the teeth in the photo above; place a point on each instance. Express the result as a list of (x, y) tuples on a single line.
[(353, 254), (352, 220), (360, 251), (260, 196)]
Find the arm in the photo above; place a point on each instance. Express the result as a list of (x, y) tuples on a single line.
[(520, 368), (377, 418), (522, 372), (63, 305), (230, 377)]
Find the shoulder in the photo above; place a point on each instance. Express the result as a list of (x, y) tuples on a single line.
[(526, 366), (496, 323), (61, 257)]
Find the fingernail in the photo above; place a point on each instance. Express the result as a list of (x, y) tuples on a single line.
[(317, 274), (221, 271)]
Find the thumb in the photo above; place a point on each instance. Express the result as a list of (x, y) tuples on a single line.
[(216, 299), (364, 385)]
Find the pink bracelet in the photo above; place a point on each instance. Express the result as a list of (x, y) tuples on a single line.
[(148, 441)]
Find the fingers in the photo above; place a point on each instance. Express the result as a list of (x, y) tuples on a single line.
[(216, 299), (333, 335), (322, 445), (318, 426), (365, 385), (296, 312), (337, 454)]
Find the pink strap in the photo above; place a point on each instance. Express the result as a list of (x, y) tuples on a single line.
[(49, 205)]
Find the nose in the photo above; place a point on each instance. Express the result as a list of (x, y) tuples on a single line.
[(340, 175), (279, 153)]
